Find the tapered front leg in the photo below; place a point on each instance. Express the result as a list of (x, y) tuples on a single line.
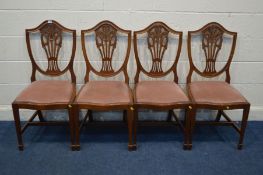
[(243, 126), (75, 111), (135, 120), (131, 146), (187, 130), (191, 116), (18, 127), (71, 126)]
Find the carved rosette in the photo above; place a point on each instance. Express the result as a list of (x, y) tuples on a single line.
[(106, 40), (157, 44), (51, 40), (211, 44)]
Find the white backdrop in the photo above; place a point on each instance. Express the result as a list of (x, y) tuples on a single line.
[(244, 17)]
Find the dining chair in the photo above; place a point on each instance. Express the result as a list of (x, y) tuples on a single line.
[(217, 95), (105, 95), (47, 94), (151, 46)]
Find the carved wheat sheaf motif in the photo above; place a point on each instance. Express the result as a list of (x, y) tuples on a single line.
[(211, 44), (51, 40), (106, 40), (157, 44)]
